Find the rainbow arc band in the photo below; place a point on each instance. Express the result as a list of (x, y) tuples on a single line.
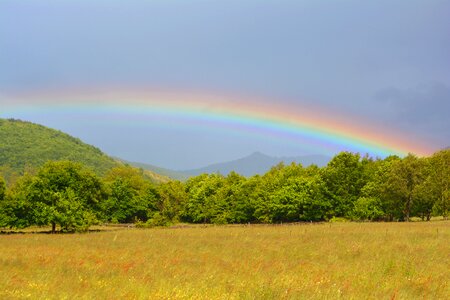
[(313, 126)]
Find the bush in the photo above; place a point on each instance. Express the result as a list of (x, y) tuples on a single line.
[(338, 220), (367, 209)]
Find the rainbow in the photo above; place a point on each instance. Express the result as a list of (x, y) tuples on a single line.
[(313, 127)]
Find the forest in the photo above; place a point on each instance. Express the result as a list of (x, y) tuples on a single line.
[(70, 196), (26, 147)]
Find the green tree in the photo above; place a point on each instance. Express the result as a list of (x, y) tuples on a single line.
[(404, 177), (225, 205), (344, 177), (315, 204), (438, 182), (375, 203), (246, 196), (289, 193), (424, 199), (378, 187), (4, 215), (367, 209), (9, 174), (64, 193), (15, 209), (127, 195), (235, 206), (262, 196), (432, 195), (168, 202), (202, 205), (299, 199)]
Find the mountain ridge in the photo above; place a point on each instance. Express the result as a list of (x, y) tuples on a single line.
[(257, 163), (177, 175)]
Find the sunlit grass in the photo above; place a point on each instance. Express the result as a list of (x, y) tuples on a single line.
[(331, 261)]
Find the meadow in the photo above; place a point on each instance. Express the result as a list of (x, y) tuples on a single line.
[(302, 261)]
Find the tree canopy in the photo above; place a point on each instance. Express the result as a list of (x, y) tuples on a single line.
[(72, 196)]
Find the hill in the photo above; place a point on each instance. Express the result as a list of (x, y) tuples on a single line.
[(158, 170), (257, 163), (25, 145)]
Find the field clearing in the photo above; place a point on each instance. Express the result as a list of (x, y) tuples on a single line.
[(319, 261)]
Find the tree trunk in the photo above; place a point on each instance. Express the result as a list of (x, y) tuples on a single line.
[(53, 227), (408, 208), (444, 206)]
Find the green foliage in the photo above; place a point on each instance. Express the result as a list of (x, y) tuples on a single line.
[(3, 212), (15, 209), (438, 182), (127, 195), (65, 194), (344, 177), (9, 175), (166, 174), (377, 187), (235, 207), (168, 202), (300, 198), (424, 199), (349, 188), (203, 204), (367, 209), (403, 178), (2, 188), (25, 145), (335, 219)]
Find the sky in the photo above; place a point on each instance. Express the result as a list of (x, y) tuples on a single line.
[(384, 63)]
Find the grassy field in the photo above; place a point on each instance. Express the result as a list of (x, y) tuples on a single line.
[(321, 261)]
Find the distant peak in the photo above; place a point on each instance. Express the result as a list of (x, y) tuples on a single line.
[(258, 154)]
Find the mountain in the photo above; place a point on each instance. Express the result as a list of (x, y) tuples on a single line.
[(25, 145), (158, 170), (257, 163)]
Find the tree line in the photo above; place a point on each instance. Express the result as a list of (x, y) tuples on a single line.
[(71, 197)]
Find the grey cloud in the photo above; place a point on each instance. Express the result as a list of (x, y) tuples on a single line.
[(422, 104), (424, 109)]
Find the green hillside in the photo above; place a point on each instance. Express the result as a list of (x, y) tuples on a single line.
[(157, 170), (27, 145)]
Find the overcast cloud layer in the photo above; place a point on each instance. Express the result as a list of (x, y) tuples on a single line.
[(387, 61)]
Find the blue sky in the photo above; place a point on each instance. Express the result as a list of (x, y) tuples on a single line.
[(387, 61)]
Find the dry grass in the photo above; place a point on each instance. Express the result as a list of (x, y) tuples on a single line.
[(325, 261)]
